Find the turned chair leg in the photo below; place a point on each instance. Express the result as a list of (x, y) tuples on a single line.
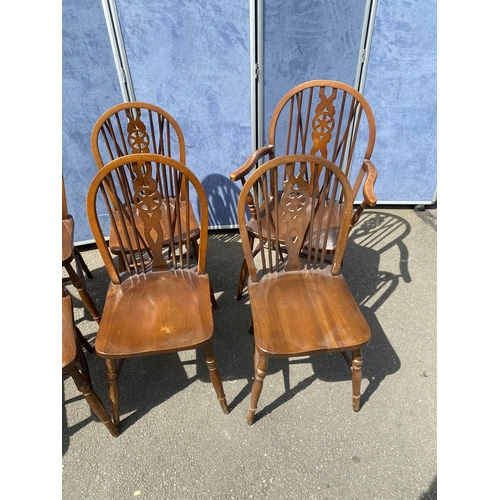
[(243, 273), (85, 343), (81, 263), (79, 373), (357, 361), (215, 377), (112, 373), (243, 277), (260, 373), (212, 296), (213, 300), (86, 298)]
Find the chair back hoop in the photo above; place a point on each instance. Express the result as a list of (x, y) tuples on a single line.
[(325, 118), (136, 127), (148, 217), (313, 210)]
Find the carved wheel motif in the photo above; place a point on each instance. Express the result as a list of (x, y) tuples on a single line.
[(147, 200), (323, 123), (138, 138), (294, 203)]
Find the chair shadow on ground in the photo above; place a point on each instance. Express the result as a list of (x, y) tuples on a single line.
[(376, 233), (146, 382)]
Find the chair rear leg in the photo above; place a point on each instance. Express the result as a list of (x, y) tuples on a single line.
[(212, 295), (243, 273), (243, 277), (83, 341), (81, 263), (84, 295), (215, 377), (213, 300), (357, 361), (260, 362)]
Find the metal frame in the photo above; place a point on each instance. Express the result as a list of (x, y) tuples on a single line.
[(118, 47)]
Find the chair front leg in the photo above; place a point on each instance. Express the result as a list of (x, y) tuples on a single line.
[(80, 375), (112, 373), (260, 362), (215, 377), (357, 361)]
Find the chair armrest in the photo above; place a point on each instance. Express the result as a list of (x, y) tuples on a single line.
[(252, 160), (369, 171), (368, 187)]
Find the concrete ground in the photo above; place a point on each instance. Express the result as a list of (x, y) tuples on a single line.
[(306, 442)]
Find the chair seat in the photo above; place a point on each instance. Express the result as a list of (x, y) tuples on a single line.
[(156, 313), (292, 317), (67, 240), (194, 233)]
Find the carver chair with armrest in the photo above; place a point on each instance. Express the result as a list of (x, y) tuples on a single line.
[(326, 118), (75, 364), (71, 254), (301, 304), (160, 302), (141, 127)]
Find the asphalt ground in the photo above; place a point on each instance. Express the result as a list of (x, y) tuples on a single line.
[(306, 442)]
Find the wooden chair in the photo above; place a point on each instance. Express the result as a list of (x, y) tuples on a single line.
[(69, 254), (325, 118), (75, 364), (140, 127), (160, 302), (301, 304)]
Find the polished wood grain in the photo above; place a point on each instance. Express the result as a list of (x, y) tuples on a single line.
[(141, 127), (158, 300), (301, 304), (75, 364), (325, 118), (70, 255)]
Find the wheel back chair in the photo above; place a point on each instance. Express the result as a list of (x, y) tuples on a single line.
[(140, 127), (69, 254), (75, 364), (160, 301), (301, 304), (325, 118)]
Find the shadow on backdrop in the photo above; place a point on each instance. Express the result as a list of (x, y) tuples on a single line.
[(222, 195)]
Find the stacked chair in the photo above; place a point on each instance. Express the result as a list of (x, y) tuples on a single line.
[(325, 118)]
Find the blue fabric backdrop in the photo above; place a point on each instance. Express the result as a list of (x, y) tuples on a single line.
[(89, 87), (193, 60), (317, 39), (401, 89)]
